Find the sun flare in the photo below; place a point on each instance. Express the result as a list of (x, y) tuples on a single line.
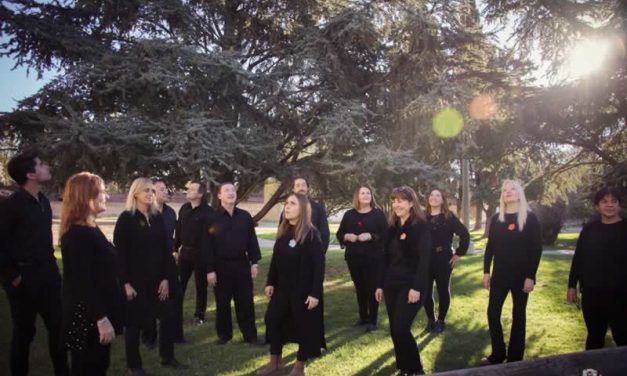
[(587, 57)]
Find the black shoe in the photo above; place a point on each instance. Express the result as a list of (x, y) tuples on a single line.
[(256, 342), (360, 322), (137, 372), (173, 363), (150, 345), (371, 328), (223, 341), (487, 362), (439, 327), (429, 327)]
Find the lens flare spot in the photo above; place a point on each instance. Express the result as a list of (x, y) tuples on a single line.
[(448, 123), (482, 107)]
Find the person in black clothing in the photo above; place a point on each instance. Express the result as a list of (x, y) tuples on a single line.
[(294, 287), (362, 232), (140, 239), (599, 266), (318, 212), (443, 225), (193, 217), (515, 244), (28, 268), (149, 331), (92, 295), (404, 279), (230, 254)]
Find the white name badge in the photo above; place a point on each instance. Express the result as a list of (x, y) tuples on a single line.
[(292, 243)]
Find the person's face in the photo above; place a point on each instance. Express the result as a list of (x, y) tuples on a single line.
[(364, 196), (510, 194), (99, 204), (192, 192), (162, 195), (42, 172), (401, 207), (435, 199), (300, 186), (608, 207), (292, 209), (146, 196), (227, 194)]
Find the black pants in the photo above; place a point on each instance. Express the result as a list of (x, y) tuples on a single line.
[(186, 267), (499, 289), (440, 273), (363, 272), (401, 315), (602, 308), (92, 361), (38, 293), (235, 283), (149, 330)]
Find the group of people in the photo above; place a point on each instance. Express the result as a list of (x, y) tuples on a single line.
[(140, 279)]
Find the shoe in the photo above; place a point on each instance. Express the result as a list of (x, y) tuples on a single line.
[(439, 327), (173, 363), (223, 341), (486, 362), (360, 322), (137, 372), (429, 327), (256, 342), (150, 345), (275, 365), (298, 370), (410, 373), (371, 328), (198, 321)]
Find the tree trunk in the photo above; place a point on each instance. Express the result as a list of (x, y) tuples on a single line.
[(478, 216), (489, 213), (274, 199)]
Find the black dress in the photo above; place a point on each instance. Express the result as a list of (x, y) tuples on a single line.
[(296, 272), (91, 291), (364, 258)]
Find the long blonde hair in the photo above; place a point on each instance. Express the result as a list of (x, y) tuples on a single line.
[(523, 206), (79, 190), (139, 185), (304, 228)]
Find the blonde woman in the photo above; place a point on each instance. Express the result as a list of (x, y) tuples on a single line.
[(140, 238), (294, 288), (515, 245)]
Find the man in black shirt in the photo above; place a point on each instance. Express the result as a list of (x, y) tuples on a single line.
[(193, 217), (231, 253), (28, 268)]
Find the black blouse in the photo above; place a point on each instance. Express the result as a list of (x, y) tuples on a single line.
[(354, 222), (442, 231)]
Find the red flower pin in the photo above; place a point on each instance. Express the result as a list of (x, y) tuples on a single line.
[(360, 224), (511, 227)]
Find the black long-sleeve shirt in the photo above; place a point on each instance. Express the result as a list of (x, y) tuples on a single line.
[(142, 248), (190, 228), (90, 273), (230, 237), (442, 231), (320, 221), (407, 256), (516, 253), (354, 222), (169, 221), (600, 259), (25, 233)]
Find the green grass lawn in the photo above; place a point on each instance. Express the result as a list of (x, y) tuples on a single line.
[(553, 327)]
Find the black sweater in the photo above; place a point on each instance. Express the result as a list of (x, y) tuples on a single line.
[(354, 222), (600, 259), (442, 231), (516, 253), (190, 228), (90, 273)]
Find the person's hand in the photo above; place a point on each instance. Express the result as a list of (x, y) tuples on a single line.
[(528, 285), (106, 333), (350, 238), (364, 237), (253, 271), (16, 282), (164, 290), (571, 295), (212, 279), (413, 296), (130, 292), (454, 260), (269, 291), (486, 281), (311, 302), (378, 295)]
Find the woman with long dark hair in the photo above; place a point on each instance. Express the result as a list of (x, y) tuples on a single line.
[(404, 281), (140, 238), (443, 224), (92, 297), (515, 245), (362, 232), (294, 288)]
